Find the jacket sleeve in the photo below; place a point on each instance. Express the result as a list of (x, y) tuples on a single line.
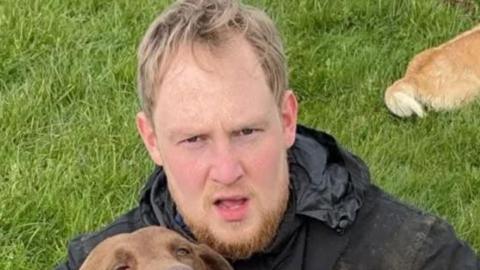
[(80, 246), (442, 250)]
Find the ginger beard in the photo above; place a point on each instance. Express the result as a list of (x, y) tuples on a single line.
[(244, 239)]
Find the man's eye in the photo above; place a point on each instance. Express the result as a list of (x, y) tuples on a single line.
[(193, 139), (247, 131)]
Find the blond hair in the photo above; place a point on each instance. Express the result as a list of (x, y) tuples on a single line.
[(208, 22)]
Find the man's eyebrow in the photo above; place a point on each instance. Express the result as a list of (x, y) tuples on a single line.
[(253, 124), (257, 121), (175, 133)]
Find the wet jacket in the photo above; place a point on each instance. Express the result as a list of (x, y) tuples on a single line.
[(335, 219)]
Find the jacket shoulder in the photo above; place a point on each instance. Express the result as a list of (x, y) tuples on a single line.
[(389, 234), (80, 246)]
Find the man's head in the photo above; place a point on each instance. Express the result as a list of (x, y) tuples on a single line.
[(217, 115)]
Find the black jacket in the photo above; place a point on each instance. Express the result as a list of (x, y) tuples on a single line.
[(336, 219)]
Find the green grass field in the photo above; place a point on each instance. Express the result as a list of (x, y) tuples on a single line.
[(70, 158)]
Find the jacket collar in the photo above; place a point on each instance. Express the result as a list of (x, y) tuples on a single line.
[(329, 182)]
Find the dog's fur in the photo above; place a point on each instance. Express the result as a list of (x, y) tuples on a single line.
[(153, 248), (440, 78)]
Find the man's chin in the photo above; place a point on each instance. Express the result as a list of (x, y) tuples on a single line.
[(237, 240), (236, 244), (232, 233)]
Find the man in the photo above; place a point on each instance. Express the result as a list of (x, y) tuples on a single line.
[(237, 173)]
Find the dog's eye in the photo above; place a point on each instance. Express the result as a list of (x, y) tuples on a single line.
[(121, 267), (183, 251)]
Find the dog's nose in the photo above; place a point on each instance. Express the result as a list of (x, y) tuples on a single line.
[(179, 267)]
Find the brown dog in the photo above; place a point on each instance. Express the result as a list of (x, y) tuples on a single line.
[(441, 78), (153, 248)]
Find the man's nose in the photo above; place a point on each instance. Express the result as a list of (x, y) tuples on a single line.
[(226, 167)]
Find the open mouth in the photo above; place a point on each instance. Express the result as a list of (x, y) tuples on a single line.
[(232, 209), (232, 203)]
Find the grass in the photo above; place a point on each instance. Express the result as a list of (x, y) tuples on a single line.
[(70, 157)]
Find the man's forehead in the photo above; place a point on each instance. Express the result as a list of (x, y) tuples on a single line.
[(214, 60), (203, 86), (193, 73)]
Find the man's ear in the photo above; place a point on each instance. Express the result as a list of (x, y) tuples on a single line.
[(289, 111), (147, 132)]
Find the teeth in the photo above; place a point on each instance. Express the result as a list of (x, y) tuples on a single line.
[(233, 207), (231, 204)]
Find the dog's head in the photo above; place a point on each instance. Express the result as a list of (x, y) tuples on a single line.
[(153, 248)]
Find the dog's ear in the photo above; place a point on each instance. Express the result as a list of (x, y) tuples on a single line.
[(103, 258), (212, 259)]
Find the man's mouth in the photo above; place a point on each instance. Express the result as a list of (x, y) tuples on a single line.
[(232, 208)]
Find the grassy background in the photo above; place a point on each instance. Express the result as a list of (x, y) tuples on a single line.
[(70, 158)]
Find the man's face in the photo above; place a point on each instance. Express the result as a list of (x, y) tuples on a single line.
[(221, 138)]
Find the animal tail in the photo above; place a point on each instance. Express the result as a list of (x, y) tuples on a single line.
[(401, 100)]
